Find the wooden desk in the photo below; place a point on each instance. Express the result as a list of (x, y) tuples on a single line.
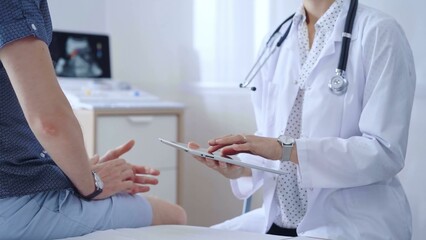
[(105, 129)]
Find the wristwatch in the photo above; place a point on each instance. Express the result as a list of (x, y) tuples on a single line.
[(99, 186), (287, 144)]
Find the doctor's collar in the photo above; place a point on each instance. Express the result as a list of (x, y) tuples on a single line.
[(332, 13)]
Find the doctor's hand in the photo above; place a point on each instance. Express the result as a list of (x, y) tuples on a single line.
[(228, 170), (120, 176), (265, 147)]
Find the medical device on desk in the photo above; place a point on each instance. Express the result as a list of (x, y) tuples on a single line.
[(82, 64), (101, 98), (338, 84)]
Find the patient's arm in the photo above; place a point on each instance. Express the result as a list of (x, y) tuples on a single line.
[(47, 111)]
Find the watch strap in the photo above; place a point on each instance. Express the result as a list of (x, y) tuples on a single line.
[(287, 145), (286, 153), (98, 189)]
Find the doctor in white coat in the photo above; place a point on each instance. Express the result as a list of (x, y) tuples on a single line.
[(350, 146)]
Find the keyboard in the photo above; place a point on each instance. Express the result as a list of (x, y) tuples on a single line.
[(109, 98)]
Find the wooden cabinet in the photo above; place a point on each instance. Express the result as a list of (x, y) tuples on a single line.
[(105, 129)]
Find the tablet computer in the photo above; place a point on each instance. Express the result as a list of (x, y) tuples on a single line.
[(203, 153)]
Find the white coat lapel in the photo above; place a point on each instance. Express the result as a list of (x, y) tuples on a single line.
[(285, 76), (336, 35), (334, 44)]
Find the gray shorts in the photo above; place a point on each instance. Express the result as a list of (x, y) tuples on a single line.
[(60, 214)]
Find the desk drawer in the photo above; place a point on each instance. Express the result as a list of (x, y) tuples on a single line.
[(112, 131)]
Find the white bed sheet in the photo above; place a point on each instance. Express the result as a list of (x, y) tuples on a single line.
[(179, 232), (174, 232)]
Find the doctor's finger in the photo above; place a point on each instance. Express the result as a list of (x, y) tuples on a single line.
[(200, 159), (223, 165), (236, 149), (193, 145), (212, 142), (212, 149), (240, 138), (211, 163)]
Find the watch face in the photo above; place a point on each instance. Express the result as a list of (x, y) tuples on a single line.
[(98, 181), (288, 140)]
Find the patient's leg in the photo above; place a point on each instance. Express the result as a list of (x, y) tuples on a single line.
[(166, 213)]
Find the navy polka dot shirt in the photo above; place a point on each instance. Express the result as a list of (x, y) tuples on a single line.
[(25, 167)]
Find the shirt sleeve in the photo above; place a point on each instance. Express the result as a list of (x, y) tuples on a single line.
[(20, 19)]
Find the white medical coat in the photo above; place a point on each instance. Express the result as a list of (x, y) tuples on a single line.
[(352, 146)]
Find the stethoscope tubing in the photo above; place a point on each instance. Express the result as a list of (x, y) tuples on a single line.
[(343, 58), (254, 71), (284, 36), (347, 35)]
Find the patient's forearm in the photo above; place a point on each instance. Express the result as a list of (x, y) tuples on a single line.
[(49, 115), (61, 136)]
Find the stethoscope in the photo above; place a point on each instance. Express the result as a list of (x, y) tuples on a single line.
[(338, 84)]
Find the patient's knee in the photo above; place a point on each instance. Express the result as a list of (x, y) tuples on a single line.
[(181, 217), (166, 213)]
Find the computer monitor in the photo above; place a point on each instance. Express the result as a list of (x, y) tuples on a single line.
[(80, 55)]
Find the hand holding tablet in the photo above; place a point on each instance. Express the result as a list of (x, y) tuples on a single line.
[(203, 153)]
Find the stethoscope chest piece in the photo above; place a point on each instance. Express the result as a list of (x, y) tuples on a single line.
[(338, 85)]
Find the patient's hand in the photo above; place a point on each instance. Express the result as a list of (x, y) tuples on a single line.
[(120, 176), (118, 152)]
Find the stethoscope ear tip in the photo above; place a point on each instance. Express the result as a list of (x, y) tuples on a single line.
[(245, 86)]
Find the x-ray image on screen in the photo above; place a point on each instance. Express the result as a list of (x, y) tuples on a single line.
[(80, 55)]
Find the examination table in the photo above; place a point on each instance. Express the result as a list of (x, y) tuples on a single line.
[(178, 232)]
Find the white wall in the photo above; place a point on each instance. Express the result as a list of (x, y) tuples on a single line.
[(152, 48), (79, 15)]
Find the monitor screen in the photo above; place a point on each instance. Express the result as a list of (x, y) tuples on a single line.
[(80, 55)]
